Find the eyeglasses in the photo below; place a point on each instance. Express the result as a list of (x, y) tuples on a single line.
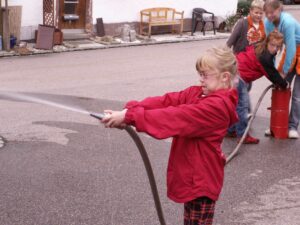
[(206, 76)]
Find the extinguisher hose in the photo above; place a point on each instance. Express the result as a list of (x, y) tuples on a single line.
[(237, 148), (138, 142), (149, 171)]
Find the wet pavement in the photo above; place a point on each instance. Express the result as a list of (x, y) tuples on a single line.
[(60, 167)]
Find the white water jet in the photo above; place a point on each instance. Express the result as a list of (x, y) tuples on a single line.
[(28, 98)]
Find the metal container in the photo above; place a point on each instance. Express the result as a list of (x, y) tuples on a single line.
[(280, 113)]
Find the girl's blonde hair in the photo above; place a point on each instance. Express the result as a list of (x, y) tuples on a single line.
[(274, 4), (218, 58), (262, 46), (257, 4)]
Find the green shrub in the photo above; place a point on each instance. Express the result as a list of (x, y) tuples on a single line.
[(231, 21), (243, 8)]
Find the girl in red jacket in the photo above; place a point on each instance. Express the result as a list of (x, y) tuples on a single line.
[(255, 62), (197, 118)]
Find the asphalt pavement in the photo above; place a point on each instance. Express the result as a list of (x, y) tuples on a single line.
[(60, 167)]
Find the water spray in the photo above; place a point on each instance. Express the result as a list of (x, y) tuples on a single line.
[(33, 99)]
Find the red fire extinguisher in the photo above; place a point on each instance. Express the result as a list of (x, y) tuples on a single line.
[(280, 112)]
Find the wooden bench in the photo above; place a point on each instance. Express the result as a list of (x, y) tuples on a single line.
[(160, 17)]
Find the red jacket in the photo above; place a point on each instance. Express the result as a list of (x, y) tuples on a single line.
[(251, 68), (198, 125)]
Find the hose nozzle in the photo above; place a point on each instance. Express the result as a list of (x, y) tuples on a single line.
[(98, 116)]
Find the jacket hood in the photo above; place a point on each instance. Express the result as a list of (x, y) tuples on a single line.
[(230, 99)]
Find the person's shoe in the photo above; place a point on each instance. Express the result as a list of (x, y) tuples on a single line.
[(293, 134), (231, 134), (268, 132), (249, 140)]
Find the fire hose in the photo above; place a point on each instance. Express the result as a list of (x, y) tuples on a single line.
[(135, 137), (237, 148)]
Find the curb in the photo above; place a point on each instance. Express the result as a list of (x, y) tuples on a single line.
[(122, 45)]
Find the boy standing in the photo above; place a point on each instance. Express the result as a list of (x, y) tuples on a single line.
[(247, 31)]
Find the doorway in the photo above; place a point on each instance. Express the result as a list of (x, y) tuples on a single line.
[(72, 14)]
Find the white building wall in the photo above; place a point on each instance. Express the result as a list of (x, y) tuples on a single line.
[(115, 11), (32, 15)]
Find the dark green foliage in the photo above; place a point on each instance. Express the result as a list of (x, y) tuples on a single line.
[(243, 8), (230, 21)]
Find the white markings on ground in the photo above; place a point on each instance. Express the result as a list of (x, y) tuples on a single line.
[(27, 124), (280, 204), (256, 173), (41, 133)]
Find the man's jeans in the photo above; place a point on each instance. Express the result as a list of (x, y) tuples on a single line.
[(242, 109), (295, 107)]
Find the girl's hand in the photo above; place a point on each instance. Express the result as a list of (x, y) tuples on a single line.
[(114, 119)]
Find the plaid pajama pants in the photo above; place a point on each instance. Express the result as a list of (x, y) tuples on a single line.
[(199, 211)]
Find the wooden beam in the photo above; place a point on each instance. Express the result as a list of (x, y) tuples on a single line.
[(6, 35), (1, 19), (14, 21)]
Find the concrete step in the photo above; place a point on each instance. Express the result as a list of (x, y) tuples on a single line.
[(75, 34)]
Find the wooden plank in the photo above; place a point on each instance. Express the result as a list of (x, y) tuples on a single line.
[(1, 19), (6, 38), (14, 20)]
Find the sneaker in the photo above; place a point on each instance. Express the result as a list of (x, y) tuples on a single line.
[(293, 134), (250, 140), (268, 132), (231, 134)]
